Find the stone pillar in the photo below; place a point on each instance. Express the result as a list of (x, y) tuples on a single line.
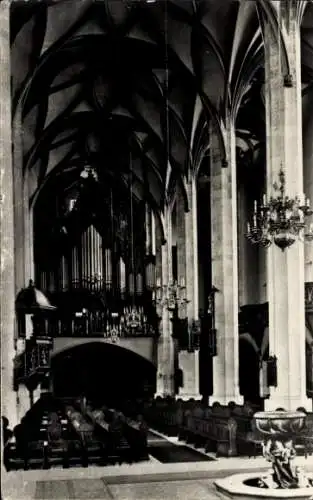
[(285, 270), (18, 176), (244, 262), (308, 172), (24, 184), (166, 347), (29, 260), (191, 230), (181, 246), (307, 106), (189, 361), (8, 396), (225, 269)]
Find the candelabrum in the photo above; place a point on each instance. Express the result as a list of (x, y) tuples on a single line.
[(171, 295), (131, 322), (280, 219)]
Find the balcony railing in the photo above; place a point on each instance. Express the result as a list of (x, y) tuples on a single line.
[(131, 322)]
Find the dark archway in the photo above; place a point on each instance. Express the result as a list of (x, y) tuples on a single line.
[(249, 372), (102, 372)]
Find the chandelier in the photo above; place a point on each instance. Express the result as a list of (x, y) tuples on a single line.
[(171, 295), (280, 219)]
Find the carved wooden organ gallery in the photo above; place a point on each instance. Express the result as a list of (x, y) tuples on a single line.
[(98, 266)]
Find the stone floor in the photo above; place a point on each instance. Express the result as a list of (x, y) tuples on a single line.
[(150, 480), (100, 489), (146, 481)]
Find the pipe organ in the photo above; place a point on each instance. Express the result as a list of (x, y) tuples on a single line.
[(115, 264), (90, 264)]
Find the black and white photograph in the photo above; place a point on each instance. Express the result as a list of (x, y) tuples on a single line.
[(156, 243)]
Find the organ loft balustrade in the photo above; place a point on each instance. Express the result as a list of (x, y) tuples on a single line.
[(87, 310)]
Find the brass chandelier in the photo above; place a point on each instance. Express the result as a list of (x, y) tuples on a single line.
[(280, 219)]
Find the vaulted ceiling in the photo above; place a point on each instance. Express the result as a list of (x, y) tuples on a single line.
[(133, 84)]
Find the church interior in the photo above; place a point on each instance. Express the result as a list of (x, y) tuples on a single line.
[(156, 227)]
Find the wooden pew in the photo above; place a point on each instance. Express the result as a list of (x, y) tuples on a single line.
[(136, 435), (217, 434), (304, 440), (92, 448)]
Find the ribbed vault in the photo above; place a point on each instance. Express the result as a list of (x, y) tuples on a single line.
[(133, 84)]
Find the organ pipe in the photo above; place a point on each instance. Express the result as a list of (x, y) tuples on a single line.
[(64, 273), (122, 275), (131, 284), (75, 265), (88, 256), (83, 254), (51, 282), (148, 230), (43, 280), (93, 253), (153, 236), (108, 268), (99, 257), (150, 275), (85, 257), (139, 284)]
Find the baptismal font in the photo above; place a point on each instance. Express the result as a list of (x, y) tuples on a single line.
[(279, 429), (285, 479)]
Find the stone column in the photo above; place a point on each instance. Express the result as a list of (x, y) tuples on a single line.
[(189, 361), (18, 178), (181, 246), (166, 347), (29, 260), (285, 270), (8, 396), (225, 269), (308, 172)]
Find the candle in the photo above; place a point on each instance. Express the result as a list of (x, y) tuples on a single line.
[(264, 200), (255, 206), (248, 227), (254, 220)]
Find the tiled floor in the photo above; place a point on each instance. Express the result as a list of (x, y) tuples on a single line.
[(85, 489), (173, 490), (146, 481)]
